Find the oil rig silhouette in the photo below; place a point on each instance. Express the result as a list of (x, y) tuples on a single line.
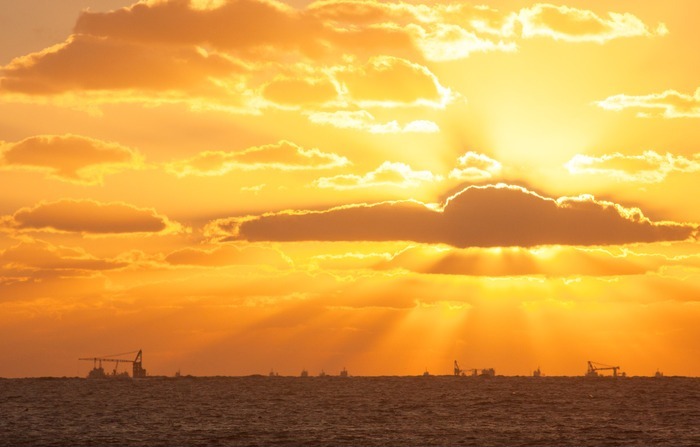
[(98, 371)]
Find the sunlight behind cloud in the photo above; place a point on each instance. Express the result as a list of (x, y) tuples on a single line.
[(387, 186)]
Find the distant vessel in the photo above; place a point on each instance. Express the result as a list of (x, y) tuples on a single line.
[(273, 373), (98, 371), (304, 373), (322, 373), (344, 372), (658, 374), (426, 373), (537, 372)]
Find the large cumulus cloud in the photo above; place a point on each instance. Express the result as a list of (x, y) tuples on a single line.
[(226, 50), (478, 216)]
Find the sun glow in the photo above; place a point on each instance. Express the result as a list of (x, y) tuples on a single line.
[(239, 186)]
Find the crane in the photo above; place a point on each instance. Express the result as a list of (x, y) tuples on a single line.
[(474, 372), (99, 373), (594, 367)]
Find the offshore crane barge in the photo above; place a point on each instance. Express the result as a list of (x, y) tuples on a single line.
[(594, 367), (98, 371)]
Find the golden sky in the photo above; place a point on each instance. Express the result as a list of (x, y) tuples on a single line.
[(235, 186)]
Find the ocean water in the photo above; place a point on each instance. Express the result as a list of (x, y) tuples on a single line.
[(372, 411)]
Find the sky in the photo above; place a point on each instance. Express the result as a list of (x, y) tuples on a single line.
[(239, 186)]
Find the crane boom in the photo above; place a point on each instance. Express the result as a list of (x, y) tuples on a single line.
[(594, 367), (137, 369)]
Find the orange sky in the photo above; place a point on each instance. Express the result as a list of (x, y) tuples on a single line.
[(235, 186)]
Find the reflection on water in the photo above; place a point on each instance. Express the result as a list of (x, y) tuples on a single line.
[(350, 411)]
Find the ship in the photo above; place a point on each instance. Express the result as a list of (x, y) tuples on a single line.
[(594, 367), (98, 371), (486, 372)]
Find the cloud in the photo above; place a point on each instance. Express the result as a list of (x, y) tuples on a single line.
[(437, 32), (473, 166), (284, 156), (449, 42), (94, 64), (649, 167), (391, 81), (455, 30), (230, 50), (581, 25), (365, 121), (92, 217), (553, 261), (44, 256), (669, 104), (478, 216), (384, 81), (228, 255), (70, 158), (391, 174), (247, 28)]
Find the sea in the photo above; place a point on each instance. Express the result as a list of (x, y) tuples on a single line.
[(352, 411)]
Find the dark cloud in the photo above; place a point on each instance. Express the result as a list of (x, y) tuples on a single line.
[(251, 29), (241, 25), (44, 256), (88, 216), (70, 158), (94, 63), (489, 216)]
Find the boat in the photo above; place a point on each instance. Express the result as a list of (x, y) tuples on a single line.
[(594, 367), (344, 372)]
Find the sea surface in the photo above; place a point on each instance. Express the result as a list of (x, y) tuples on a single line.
[(371, 411)]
